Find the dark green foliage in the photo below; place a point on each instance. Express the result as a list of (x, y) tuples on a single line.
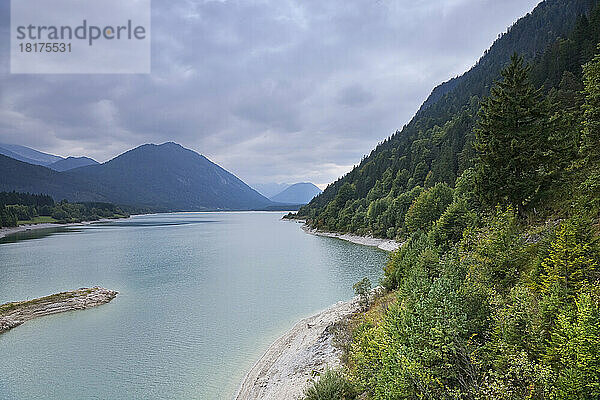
[(591, 122), (511, 140), (428, 207), (332, 385), (16, 207), (448, 229), (7, 218), (362, 289), (26, 199)]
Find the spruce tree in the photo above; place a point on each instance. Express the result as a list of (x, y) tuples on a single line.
[(510, 140), (590, 146)]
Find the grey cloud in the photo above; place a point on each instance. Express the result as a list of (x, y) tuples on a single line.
[(354, 96), (273, 90)]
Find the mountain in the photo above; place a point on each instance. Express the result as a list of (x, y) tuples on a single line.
[(170, 177), (164, 177), (299, 193), (71, 163), (436, 146), (269, 189), (28, 178), (27, 154)]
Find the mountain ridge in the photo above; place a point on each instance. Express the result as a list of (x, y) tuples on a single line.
[(71, 163), (165, 177), (298, 193)]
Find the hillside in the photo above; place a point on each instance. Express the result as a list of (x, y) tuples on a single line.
[(20, 176), (27, 154), (171, 177), (161, 177), (495, 290), (437, 145), (299, 193), (269, 189), (71, 163)]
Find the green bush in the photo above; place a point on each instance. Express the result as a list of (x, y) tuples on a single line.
[(428, 207), (332, 385), (448, 230)]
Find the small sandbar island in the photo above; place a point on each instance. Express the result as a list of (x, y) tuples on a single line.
[(16, 313)]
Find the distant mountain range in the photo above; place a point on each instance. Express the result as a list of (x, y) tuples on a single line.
[(299, 193), (166, 177), (68, 163), (27, 154), (270, 189), (35, 157)]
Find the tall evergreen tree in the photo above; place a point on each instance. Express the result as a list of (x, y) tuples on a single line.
[(510, 139), (590, 146)]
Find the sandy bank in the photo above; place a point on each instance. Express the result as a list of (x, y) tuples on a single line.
[(16, 313), (292, 360), (29, 227), (383, 244)]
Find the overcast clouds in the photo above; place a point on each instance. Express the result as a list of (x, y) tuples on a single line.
[(273, 90)]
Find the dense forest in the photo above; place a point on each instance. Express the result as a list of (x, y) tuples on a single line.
[(34, 208), (496, 195)]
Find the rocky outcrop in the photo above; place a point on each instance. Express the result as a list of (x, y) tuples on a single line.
[(16, 313)]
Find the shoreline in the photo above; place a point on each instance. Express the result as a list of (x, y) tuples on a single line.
[(31, 227), (13, 314), (286, 368), (383, 244)]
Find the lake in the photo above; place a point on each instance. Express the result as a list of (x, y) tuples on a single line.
[(201, 297)]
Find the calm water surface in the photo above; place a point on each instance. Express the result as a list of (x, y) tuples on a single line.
[(202, 295)]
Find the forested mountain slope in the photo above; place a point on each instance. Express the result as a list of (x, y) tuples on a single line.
[(437, 145), (495, 292)]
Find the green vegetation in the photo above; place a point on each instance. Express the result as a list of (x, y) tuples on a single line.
[(38, 220), (362, 289), (496, 290), (332, 385), (24, 208)]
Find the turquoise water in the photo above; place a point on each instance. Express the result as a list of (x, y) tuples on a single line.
[(202, 295)]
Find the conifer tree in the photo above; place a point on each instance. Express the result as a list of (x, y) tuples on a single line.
[(591, 123), (510, 139)]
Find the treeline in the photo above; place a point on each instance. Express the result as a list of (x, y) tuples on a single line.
[(495, 293), (26, 207)]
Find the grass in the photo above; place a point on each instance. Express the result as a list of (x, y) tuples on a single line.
[(38, 220)]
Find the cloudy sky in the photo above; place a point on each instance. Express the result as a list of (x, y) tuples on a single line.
[(272, 90)]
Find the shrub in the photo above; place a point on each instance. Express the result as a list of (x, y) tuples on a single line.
[(362, 289), (428, 207), (332, 385)]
